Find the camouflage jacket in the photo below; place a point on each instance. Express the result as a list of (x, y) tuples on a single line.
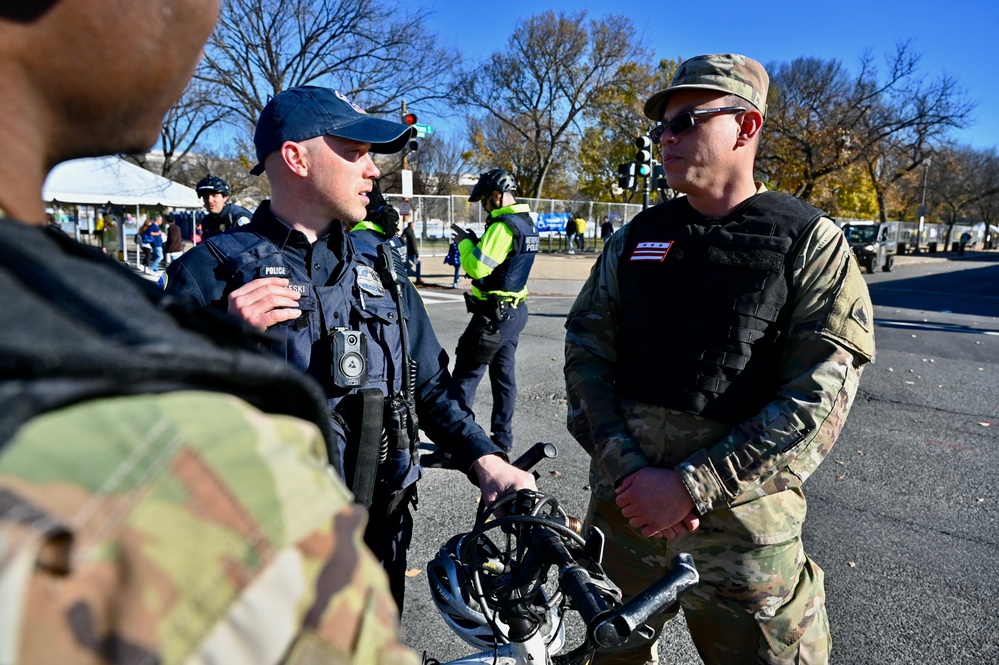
[(183, 528), (830, 338)]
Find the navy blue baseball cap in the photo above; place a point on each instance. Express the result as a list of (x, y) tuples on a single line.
[(301, 113)]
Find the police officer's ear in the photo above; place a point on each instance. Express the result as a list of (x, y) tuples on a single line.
[(295, 157)]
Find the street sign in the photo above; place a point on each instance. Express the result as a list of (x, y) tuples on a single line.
[(423, 130), (407, 182)]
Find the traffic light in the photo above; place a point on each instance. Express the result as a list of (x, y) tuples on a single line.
[(643, 158), (627, 179), (659, 176), (411, 146), (409, 119)]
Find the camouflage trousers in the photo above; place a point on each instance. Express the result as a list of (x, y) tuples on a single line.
[(760, 599)]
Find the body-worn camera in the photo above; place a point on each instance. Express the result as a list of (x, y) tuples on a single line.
[(350, 358)]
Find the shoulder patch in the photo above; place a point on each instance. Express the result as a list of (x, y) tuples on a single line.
[(369, 281), (861, 315)]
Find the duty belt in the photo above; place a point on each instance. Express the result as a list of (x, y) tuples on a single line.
[(494, 307)]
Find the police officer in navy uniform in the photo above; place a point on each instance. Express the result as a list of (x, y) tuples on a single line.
[(333, 309), (222, 215), (499, 264)]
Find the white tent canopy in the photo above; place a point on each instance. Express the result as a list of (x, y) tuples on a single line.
[(103, 180)]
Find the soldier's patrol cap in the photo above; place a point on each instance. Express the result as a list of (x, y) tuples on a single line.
[(725, 72), (301, 113)]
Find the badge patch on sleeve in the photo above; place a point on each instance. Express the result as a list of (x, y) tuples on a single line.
[(861, 315), (369, 281), (650, 251)]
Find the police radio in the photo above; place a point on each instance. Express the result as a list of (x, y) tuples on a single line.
[(350, 358)]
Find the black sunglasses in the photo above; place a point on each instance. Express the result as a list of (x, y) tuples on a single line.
[(685, 121)]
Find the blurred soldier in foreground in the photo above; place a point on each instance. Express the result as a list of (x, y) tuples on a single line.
[(711, 360), (166, 494)]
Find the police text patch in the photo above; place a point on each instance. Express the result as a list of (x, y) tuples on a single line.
[(650, 251)]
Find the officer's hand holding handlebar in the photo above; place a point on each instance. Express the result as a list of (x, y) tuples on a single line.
[(498, 477), (264, 302)]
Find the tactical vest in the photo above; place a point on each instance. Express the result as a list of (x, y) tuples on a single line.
[(511, 275), (705, 305), (354, 299)]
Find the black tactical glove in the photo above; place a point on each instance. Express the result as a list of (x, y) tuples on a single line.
[(381, 213)]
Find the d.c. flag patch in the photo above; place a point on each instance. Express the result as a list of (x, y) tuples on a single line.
[(650, 251)]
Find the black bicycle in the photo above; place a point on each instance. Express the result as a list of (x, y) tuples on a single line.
[(506, 586)]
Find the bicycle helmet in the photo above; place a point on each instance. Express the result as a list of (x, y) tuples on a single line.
[(210, 184), (449, 587), (496, 180)]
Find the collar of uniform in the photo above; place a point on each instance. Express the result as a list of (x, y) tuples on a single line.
[(366, 225), (511, 210), (278, 232)]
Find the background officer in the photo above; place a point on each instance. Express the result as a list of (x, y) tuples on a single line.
[(165, 495), (711, 360), (222, 215), (334, 309), (499, 264)]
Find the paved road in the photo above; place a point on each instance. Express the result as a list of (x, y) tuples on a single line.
[(903, 513)]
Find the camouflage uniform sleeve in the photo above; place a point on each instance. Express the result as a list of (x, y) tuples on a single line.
[(831, 338), (183, 528), (594, 417)]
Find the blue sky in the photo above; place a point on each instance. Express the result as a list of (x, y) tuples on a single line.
[(956, 37)]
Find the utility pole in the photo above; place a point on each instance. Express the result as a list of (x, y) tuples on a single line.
[(405, 153), (922, 205)]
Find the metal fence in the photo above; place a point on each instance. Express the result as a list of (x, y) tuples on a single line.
[(434, 215)]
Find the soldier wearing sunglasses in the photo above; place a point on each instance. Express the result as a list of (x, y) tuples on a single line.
[(711, 360)]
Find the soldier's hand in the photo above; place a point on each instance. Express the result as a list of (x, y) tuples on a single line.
[(656, 500), (687, 524), (264, 302), (498, 477)]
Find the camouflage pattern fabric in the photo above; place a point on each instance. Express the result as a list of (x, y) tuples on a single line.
[(730, 473), (183, 528), (759, 599), (729, 73)]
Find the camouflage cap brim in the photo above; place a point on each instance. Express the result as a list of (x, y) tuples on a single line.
[(728, 73)]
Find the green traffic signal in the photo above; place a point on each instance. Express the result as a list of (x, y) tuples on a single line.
[(643, 158)]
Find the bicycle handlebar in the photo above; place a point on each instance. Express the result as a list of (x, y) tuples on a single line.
[(535, 454), (546, 537), (615, 628)]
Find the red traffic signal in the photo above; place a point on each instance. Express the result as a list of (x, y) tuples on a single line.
[(409, 119)]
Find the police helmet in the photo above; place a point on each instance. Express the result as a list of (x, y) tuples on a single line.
[(210, 184), (496, 180)]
